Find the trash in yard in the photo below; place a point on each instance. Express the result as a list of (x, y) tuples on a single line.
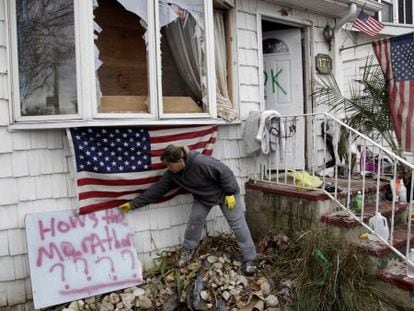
[(303, 272)]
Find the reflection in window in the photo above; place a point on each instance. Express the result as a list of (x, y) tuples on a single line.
[(183, 52), (272, 46), (121, 59), (46, 49)]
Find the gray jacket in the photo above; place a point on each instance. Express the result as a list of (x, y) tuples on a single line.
[(208, 179)]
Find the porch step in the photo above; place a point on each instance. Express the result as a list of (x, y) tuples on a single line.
[(396, 274), (378, 249), (339, 219)]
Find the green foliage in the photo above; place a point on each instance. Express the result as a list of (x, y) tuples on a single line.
[(367, 107), (332, 275)]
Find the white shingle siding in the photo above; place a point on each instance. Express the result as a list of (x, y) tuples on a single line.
[(6, 167), (247, 6), (4, 112), (16, 292), (20, 163), (21, 141), (37, 171), (247, 39), (3, 294), (2, 31), (17, 241), (9, 193), (248, 57), (27, 188), (2, 10), (249, 75), (6, 144), (247, 21), (21, 270), (7, 269), (3, 60), (4, 243)]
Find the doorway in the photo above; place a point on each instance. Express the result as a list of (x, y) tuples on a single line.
[(282, 48)]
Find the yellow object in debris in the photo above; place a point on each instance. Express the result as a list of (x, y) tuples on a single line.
[(363, 236), (305, 180)]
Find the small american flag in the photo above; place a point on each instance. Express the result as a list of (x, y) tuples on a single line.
[(396, 58), (367, 24), (114, 165)]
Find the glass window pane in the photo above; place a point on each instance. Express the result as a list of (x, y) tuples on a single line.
[(401, 11), (183, 53), (387, 12), (408, 11), (47, 64), (121, 56)]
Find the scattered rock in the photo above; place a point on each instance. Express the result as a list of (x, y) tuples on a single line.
[(106, 306), (145, 303), (271, 301), (204, 295)]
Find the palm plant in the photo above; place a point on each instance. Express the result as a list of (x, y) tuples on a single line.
[(367, 107)]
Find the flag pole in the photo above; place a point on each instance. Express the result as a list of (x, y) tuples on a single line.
[(370, 42)]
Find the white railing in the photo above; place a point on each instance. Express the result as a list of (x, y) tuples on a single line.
[(371, 166)]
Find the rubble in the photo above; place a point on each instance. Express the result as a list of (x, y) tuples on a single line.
[(212, 281), (290, 276)]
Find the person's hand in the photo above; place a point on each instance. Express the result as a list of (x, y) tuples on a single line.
[(230, 201), (125, 208)]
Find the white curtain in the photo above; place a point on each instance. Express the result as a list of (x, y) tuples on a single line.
[(186, 48), (224, 106)]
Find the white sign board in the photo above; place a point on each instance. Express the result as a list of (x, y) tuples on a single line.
[(75, 256)]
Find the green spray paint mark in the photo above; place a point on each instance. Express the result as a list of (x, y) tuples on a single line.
[(275, 82)]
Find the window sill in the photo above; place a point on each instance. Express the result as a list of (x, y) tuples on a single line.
[(111, 122)]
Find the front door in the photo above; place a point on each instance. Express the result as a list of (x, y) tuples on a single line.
[(283, 89)]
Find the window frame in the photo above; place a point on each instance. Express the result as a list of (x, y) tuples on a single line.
[(86, 76)]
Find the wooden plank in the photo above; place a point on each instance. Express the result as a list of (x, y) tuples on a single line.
[(137, 104)]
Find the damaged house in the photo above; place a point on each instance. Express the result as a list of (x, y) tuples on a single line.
[(203, 66)]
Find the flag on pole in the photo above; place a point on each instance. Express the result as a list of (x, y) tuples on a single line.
[(115, 164), (396, 58), (367, 24)]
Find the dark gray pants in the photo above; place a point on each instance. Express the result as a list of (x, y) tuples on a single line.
[(236, 220)]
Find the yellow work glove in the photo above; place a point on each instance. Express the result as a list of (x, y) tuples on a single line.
[(125, 208), (230, 201)]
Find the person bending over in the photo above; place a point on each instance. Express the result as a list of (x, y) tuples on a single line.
[(211, 183)]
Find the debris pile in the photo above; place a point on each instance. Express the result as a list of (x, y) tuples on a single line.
[(212, 281), (304, 272)]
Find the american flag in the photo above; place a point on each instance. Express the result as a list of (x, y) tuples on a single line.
[(396, 58), (367, 24), (115, 164)]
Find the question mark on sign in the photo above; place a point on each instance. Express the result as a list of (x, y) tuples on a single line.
[(62, 274), (111, 263), (132, 259), (85, 264)]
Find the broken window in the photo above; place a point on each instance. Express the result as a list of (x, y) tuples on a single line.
[(135, 59), (121, 56)]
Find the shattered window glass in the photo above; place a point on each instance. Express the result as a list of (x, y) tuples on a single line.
[(121, 56), (46, 57)]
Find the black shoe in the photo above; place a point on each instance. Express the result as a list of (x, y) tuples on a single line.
[(249, 267), (186, 256)]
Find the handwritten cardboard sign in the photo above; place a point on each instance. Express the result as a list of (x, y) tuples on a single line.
[(75, 256)]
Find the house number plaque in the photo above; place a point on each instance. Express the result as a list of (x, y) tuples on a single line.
[(323, 63)]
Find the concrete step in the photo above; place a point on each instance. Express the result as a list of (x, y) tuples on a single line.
[(344, 220), (377, 248), (396, 274)]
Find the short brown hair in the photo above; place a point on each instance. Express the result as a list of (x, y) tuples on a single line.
[(173, 154)]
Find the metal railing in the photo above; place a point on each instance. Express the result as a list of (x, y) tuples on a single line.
[(338, 156)]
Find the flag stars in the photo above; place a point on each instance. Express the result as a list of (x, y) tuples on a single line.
[(112, 150)]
